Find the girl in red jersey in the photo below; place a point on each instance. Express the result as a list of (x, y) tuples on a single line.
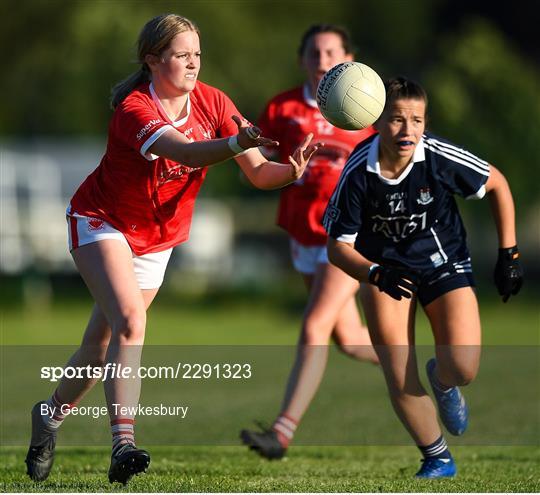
[(126, 217), (331, 309)]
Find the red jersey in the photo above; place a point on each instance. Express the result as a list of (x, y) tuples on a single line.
[(287, 118), (150, 199)]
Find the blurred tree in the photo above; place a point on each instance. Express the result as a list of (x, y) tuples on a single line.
[(485, 96), (63, 56), (36, 50)]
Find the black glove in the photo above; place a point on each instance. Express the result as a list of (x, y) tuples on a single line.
[(396, 282), (508, 274)]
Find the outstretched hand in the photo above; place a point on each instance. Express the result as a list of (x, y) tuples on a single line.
[(250, 136), (300, 158)]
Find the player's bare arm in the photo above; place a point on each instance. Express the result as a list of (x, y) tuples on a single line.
[(502, 206), (265, 174), (508, 273), (344, 256), (175, 146)]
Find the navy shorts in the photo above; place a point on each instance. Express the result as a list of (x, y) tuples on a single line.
[(435, 283)]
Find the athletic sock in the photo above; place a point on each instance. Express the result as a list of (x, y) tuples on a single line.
[(437, 450), (123, 433), (285, 426), (60, 411)]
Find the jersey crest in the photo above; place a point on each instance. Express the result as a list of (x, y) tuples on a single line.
[(424, 197)]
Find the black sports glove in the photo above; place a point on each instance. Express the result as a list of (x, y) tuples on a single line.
[(396, 282), (508, 274)]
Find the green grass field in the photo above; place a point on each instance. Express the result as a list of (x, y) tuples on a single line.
[(306, 469), (345, 468), (238, 321)]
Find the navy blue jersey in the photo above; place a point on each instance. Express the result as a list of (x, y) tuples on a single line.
[(412, 221)]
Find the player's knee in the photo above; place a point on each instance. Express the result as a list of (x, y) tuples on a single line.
[(129, 328), (309, 334), (459, 371), (315, 332), (463, 374)]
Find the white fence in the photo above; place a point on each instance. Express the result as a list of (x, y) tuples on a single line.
[(36, 183)]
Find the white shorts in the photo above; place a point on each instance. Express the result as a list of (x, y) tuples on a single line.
[(306, 258), (149, 268)]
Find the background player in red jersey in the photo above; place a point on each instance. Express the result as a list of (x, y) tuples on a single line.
[(393, 224), (331, 308), (129, 213)]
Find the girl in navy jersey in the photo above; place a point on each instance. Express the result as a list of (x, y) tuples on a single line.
[(126, 217), (331, 310), (393, 223)]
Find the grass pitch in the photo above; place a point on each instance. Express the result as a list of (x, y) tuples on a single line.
[(230, 321), (306, 469), (345, 468)]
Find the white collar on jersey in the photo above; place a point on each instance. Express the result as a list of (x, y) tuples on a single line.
[(176, 123), (307, 97), (373, 165)]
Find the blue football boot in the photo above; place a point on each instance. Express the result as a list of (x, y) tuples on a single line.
[(433, 468), (452, 407)]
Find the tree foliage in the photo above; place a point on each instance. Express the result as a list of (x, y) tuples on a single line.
[(63, 56), (485, 96)]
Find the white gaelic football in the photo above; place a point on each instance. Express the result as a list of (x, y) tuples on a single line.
[(351, 96)]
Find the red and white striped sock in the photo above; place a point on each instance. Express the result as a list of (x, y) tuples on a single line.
[(123, 433), (57, 411), (285, 426)]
